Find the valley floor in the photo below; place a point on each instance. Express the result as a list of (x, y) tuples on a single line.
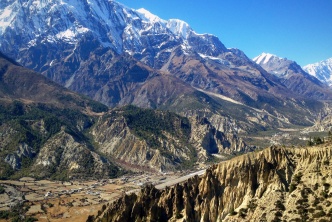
[(74, 201)]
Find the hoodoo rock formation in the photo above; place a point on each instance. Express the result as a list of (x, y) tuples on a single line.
[(275, 184)]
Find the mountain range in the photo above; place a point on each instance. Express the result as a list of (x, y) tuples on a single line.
[(48, 131), (118, 56)]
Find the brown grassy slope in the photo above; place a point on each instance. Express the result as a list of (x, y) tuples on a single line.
[(19, 83)]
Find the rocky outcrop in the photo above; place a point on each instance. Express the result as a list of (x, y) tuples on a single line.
[(273, 184), (42, 128), (24, 151), (323, 121), (207, 137), (119, 142), (64, 156), (168, 142)]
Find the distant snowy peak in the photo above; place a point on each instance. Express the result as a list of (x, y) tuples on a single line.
[(276, 65), (321, 70), (265, 58), (179, 28), (148, 16), (292, 75), (176, 26)]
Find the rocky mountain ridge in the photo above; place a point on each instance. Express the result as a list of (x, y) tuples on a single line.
[(273, 184), (161, 140), (293, 76), (47, 131)]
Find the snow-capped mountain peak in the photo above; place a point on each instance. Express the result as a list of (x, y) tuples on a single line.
[(265, 58), (276, 65), (8, 13), (110, 24), (321, 70), (62, 20), (179, 28), (148, 16), (176, 26)]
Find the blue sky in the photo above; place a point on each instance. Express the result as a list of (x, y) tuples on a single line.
[(300, 30)]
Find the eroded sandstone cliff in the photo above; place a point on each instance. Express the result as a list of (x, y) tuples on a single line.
[(271, 185)]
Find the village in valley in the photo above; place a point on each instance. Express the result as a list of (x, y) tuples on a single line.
[(48, 200)]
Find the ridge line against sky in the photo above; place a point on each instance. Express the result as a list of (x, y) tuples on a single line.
[(298, 30)]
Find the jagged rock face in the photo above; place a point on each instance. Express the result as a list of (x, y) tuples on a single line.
[(45, 141), (42, 128), (50, 142), (158, 140), (268, 185), (207, 137)]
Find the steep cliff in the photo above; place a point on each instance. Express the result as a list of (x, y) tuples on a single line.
[(271, 185)]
